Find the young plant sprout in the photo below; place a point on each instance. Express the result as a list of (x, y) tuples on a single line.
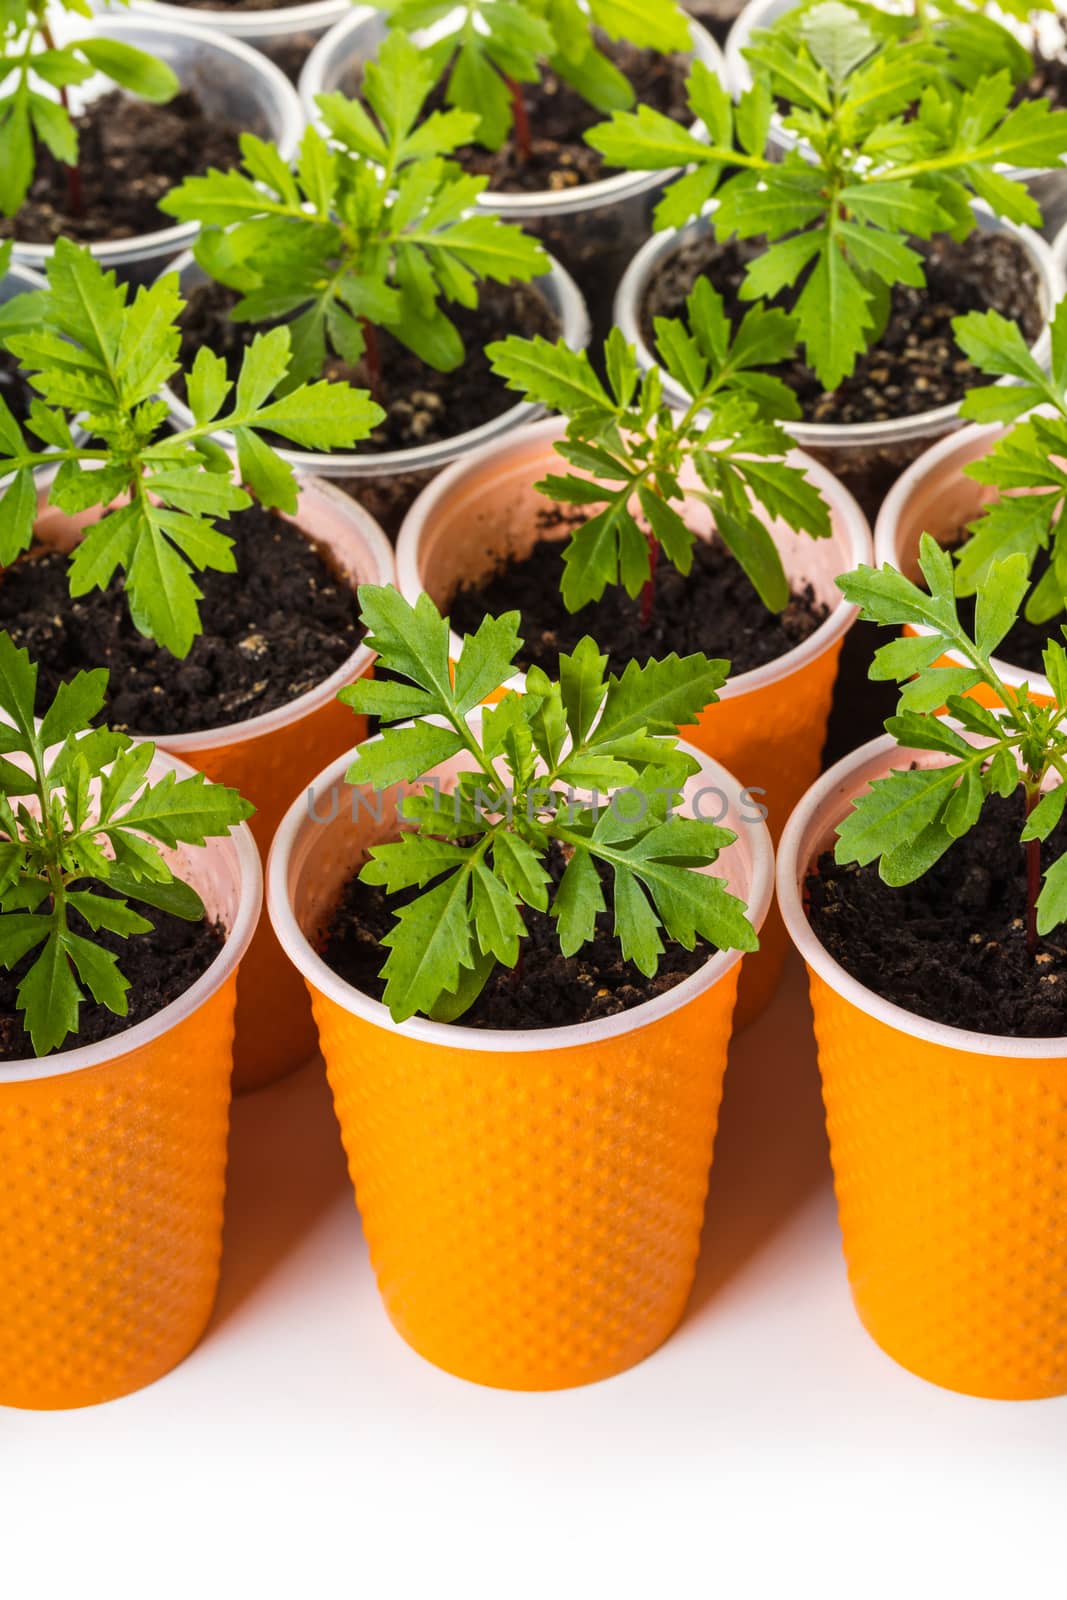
[(887, 153), (1029, 456), (486, 49), (31, 64), (480, 853), (84, 819), (632, 450), (101, 358), (907, 821), (373, 231), (973, 39)]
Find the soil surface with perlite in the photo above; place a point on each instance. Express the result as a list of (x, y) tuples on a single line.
[(547, 990), (714, 609), (132, 153), (559, 117), (422, 406), (160, 966), (916, 366), (951, 947), (277, 627)]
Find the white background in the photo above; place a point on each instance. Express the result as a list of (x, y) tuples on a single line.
[(769, 1450)]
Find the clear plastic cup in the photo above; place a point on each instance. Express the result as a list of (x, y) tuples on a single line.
[(232, 80)]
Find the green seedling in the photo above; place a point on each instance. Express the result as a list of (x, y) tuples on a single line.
[(31, 64), (908, 820), (375, 229), (634, 454), (887, 153), (479, 854), (485, 50), (77, 817), (100, 359)]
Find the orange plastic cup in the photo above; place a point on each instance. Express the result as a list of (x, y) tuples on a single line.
[(532, 1200), (269, 758), (114, 1163), (934, 496), (770, 724), (949, 1150)]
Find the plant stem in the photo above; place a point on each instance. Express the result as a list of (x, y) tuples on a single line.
[(1033, 877), (520, 118), (373, 355)]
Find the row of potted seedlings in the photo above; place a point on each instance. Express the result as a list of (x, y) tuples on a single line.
[(874, 386), (520, 911)]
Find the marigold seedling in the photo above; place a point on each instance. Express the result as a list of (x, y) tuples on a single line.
[(101, 358), (887, 152), (907, 821), (375, 229), (31, 63), (480, 853), (76, 816), (485, 49), (1029, 457), (972, 41), (632, 450)]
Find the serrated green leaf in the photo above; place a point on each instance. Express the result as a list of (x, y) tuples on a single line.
[(48, 996), (893, 812), (144, 75), (577, 903), (1046, 815), (660, 696), (1052, 901), (428, 947)]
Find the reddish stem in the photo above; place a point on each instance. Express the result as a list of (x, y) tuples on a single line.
[(648, 593), (520, 118), (1033, 881), (373, 357), (75, 197)]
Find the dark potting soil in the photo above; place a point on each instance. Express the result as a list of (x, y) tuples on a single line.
[(715, 609), (916, 366), (290, 52), (1048, 81), (718, 16), (951, 947), (548, 991), (14, 388), (559, 117), (131, 154), (422, 406), (273, 630), (160, 966)]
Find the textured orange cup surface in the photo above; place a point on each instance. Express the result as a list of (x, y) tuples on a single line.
[(770, 724), (532, 1200), (936, 497), (112, 1175), (949, 1151), (269, 759)]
